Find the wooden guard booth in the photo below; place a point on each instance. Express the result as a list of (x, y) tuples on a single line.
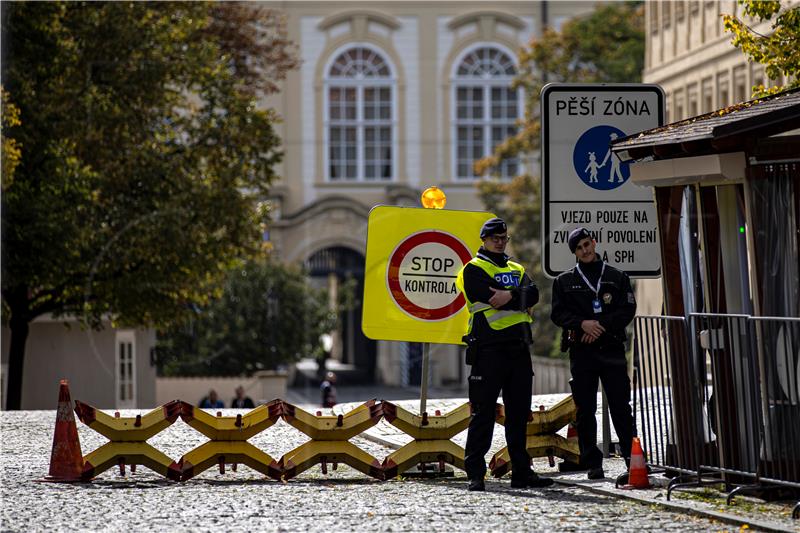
[(727, 192)]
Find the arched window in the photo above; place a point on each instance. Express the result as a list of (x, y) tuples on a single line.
[(360, 116), (486, 108)]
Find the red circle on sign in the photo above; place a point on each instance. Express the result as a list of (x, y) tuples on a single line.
[(393, 274)]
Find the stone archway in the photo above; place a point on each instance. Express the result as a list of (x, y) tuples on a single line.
[(332, 267)]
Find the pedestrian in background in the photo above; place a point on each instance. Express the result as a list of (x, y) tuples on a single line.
[(241, 401), (211, 401), (593, 303), (328, 389), (499, 295)]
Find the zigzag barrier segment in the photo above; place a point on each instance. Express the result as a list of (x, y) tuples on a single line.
[(228, 442), (330, 436), (431, 436), (541, 437), (329, 439), (128, 436)]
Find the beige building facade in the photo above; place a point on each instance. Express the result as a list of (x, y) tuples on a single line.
[(392, 97), (691, 56), (108, 369)]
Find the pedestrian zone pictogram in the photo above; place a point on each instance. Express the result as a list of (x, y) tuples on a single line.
[(594, 163)]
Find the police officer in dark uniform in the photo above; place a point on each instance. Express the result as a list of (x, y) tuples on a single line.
[(498, 294), (593, 302)]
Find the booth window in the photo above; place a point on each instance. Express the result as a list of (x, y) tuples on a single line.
[(774, 189)]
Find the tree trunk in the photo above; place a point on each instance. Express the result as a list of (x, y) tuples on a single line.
[(16, 358)]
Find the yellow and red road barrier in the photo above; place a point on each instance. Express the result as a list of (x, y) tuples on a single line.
[(431, 435), (228, 442), (128, 436), (542, 439), (329, 442)]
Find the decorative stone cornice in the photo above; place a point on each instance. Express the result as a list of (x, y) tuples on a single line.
[(321, 206), (475, 16), (370, 15)]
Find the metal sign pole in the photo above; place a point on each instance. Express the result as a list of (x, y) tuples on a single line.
[(606, 425), (423, 387)]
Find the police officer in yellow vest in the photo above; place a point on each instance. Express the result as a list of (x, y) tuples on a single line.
[(499, 295)]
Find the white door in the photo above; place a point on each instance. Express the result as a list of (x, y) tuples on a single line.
[(126, 370)]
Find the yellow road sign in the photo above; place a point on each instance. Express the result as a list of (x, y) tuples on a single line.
[(413, 256)]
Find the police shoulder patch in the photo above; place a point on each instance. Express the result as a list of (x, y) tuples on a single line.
[(631, 298)]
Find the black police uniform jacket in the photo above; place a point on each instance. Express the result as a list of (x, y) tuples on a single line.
[(572, 304)]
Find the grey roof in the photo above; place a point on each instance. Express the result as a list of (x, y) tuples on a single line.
[(782, 107)]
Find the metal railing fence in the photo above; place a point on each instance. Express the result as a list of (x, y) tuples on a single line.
[(717, 398), (778, 353), (724, 344), (666, 418)]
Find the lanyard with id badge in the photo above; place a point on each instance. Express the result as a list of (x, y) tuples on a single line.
[(596, 305)]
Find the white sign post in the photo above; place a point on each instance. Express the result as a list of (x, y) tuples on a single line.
[(584, 184)]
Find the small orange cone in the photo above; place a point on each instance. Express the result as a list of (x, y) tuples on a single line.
[(572, 433), (66, 460), (572, 438), (637, 475)]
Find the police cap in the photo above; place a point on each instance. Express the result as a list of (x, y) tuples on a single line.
[(576, 236), (493, 226)]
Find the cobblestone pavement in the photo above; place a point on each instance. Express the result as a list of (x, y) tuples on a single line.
[(771, 516), (345, 500)]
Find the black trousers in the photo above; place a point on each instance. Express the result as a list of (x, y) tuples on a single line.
[(507, 368), (609, 367)]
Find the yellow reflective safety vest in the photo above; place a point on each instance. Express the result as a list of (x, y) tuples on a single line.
[(509, 277)]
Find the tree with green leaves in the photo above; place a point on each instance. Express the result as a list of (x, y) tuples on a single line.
[(779, 51), (142, 157), (268, 315), (11, 150), (607, 45)]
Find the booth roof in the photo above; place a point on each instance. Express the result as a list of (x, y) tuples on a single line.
[(718, 131)]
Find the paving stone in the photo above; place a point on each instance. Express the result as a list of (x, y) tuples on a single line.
[(345, 500)]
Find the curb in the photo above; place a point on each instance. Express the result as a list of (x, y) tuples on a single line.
[(683, 508)]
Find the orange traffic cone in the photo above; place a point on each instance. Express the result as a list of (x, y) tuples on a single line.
[(66, 460), (637, 475), (572, 438), (572, 433)]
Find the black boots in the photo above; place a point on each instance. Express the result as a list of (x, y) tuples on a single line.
[(533, 481), (476, 485), (596, 473)]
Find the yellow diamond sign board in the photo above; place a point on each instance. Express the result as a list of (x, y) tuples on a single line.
[(413, 257)]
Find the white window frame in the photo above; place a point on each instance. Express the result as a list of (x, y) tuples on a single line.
[(124, 338), (359, 124), (487, 84)]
